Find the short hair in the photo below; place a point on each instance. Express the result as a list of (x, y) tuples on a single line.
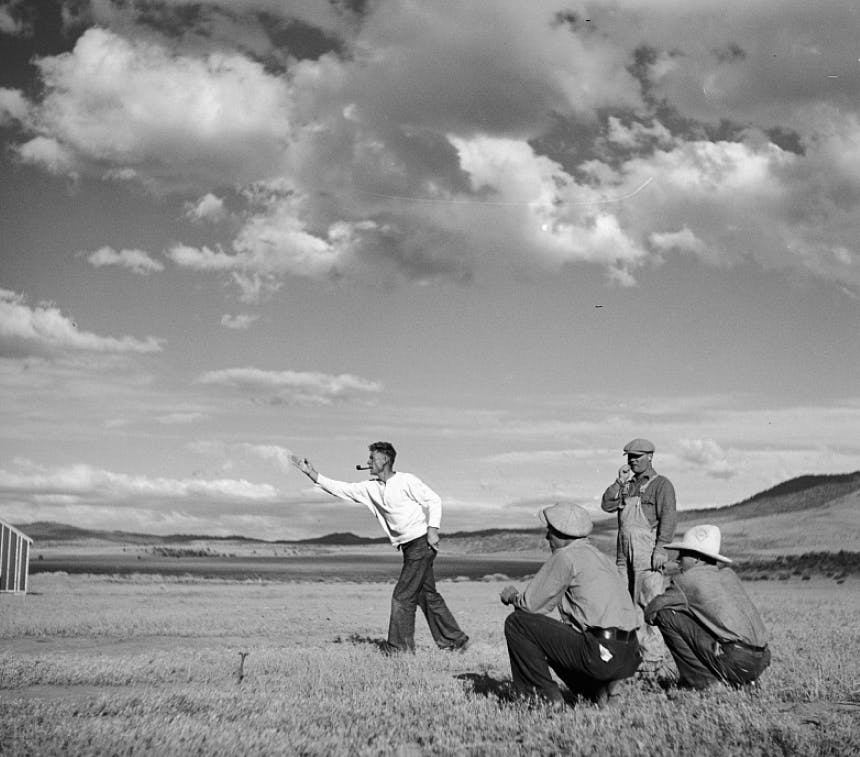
[(386, 448)]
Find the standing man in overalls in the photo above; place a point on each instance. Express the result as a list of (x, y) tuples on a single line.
[(645, 503)]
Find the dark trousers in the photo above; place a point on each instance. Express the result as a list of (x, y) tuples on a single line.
[(702, 659), (416, 587), (537, 643)]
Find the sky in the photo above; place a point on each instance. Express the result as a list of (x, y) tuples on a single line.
[(506, 237)]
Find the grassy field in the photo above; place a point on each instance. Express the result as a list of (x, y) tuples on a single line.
[(95, 665)]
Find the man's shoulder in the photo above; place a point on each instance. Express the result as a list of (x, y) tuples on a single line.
[(659, 478), (403, 476)]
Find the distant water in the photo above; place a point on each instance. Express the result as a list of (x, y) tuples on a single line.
[(328, 567)]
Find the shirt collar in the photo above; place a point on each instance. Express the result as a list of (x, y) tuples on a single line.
[(647, 474)]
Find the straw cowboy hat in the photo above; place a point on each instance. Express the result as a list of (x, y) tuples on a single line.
[(705, 540)]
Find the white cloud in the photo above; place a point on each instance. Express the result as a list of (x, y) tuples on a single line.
[(207, 208), (13, 106), (385, 153), (51, 154), (684, 240), (637, 135), (239, 322), (91, 496), (292, 386), (13, 19), (135, 103), (44, 330), (137, 261), (272, 453), (709, 455)]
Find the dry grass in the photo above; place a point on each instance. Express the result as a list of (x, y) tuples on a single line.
[(93, 666)]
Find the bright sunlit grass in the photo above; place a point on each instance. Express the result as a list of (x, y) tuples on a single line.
[(91, 666)]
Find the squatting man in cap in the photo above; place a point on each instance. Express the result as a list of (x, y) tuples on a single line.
[(594, 645), (410, 513), (645, 503), (711, 627)]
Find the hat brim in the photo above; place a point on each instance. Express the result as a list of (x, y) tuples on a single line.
[(712, 555)]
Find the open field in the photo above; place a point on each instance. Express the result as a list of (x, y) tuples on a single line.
[(95, 665)]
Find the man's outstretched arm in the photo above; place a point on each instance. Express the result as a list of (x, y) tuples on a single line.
[(303, 464), (350, 492)]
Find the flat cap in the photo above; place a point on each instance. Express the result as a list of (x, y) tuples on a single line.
[(568, 519), (638, 447)]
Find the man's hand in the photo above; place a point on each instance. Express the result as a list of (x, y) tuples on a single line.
[(433, 537), (508, 595), (624, 475), (303, 464), (659, 558)]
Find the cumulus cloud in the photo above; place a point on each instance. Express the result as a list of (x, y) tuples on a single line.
[(292, 386), (239, 322), (14, 18), (207, 208), (134, 103), (50, 154), (137, 261), (274, 242), (14, 107), (709, 455), (415, 138), (44, 330)]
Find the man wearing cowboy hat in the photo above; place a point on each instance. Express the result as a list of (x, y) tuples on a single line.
[(645, 503), (711, 627), (594, 644)]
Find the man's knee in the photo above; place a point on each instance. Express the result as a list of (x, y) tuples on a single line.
[(402, 605), (514, 625)]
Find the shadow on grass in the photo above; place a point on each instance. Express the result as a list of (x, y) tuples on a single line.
[(355, 639), (485, 685), (503, 691)]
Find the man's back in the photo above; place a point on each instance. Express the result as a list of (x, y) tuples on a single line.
[(718, 599)]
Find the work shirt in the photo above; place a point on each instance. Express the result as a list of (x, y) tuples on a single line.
[(657, 500), (585, 586), (716, 598), (404, 505)]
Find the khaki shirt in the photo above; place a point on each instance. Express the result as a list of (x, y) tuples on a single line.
[(717, 599), (585, 586)]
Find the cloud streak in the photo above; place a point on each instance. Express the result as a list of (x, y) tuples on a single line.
[(291, 386), (43, 330), (137, 261)]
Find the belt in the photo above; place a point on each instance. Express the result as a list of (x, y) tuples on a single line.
[(612, 634)]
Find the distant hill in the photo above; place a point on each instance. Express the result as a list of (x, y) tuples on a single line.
[(342, 539), (804, 514), (801, 493), (48, 532)]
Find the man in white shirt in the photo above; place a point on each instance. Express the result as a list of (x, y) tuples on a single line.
[(410, 513)]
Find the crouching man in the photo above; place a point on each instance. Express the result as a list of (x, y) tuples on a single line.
[(711, 627), (594, 644)]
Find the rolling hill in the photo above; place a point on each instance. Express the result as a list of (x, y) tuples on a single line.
[(813, 513)]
